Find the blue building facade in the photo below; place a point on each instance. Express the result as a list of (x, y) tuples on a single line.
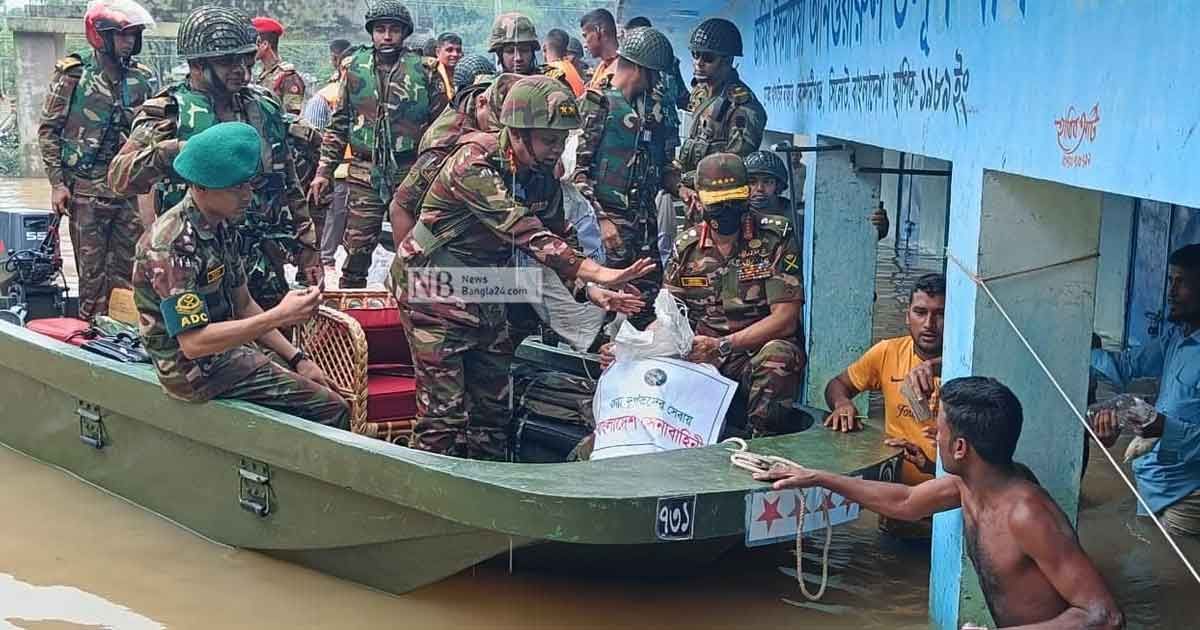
[(1070, 129)]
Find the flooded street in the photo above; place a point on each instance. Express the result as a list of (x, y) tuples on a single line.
[(74, 556)]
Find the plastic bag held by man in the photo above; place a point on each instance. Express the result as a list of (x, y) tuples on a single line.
[(669, 337)]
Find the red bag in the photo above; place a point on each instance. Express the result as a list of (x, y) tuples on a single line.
[(67, 329)]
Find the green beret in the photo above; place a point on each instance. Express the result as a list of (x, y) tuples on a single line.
[(223, 156)]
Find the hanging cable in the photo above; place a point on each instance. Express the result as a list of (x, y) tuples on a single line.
[(1075, 410)]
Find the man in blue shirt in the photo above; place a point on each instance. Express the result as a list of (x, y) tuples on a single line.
[(1168, 476)]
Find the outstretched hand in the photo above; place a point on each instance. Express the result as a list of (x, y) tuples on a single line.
[(785, 476), (627, 301), (616, 277)]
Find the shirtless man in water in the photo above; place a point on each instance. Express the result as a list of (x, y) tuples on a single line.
[(1033, 572)]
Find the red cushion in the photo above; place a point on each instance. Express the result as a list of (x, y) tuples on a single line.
[(66, 329), (391, 397), (386, 343)]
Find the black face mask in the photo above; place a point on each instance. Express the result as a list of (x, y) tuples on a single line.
[(761, 202), (726, 217)]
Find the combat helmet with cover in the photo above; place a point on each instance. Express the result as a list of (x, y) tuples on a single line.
[(471, 67), (389, 10), (539, 102), (514, 29), (768, 163), (210, 32), (649, 48), (717, 36)]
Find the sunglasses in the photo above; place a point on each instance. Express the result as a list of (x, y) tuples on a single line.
[(705, 57)]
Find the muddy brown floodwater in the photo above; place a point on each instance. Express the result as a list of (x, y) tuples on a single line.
[(74, 556)]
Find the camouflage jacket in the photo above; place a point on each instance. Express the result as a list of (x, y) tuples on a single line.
[(725, 118), (483, 215), (622, 156), (186, 275), (382, 118), (285, 83), (145, 160), (441, 138), (725, 295), (85, 119)]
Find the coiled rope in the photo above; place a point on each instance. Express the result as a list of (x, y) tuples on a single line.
[(753, 462), (1074, 410)]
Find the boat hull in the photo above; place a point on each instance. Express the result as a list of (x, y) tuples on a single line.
[(375, 513)]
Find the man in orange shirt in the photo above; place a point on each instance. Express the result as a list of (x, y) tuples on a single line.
[(554, 47), (449, 50), (599, 31), (914, 360)]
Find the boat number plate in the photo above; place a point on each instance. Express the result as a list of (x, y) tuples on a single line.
[(675, 518)]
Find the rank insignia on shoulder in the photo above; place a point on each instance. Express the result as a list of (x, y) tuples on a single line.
[(215, 274), (739, 94), (694, 282), (791, 264)]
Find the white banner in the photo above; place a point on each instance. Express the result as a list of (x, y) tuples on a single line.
[(654, 405)]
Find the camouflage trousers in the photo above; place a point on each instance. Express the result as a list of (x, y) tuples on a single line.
[(104, 232), (276, 387), (462, 359), (639, 239), (770, 381)]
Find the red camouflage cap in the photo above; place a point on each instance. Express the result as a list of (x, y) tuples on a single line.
[(267, 25)]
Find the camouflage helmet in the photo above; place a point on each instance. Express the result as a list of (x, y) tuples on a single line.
[(512, 28), (717, 36), (212, 31), (767, 163), (648, 48), (389, 10), (721, 177), (469, 68), (539, 102)]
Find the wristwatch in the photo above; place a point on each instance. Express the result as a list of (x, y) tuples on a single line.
[(296, 359), (724, 346)]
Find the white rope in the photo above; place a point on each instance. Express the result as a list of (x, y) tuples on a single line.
[(1075, 410), (753, 462)]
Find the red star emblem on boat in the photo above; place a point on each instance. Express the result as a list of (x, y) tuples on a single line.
[(770, 512)]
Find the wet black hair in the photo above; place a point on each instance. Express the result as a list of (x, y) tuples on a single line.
[(339, 46), (601, 19), (640, 21), (449, 38), (931, 284), (1186, 258), (985, 413)]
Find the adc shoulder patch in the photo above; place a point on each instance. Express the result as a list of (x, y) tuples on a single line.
[(184, 312)]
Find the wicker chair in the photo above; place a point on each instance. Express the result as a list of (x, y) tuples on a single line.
[(337, 342)]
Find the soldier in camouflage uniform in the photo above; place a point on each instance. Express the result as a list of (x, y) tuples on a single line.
[(476, 107), (622, 161), (277, 75), (85, 119), (474, 216), (219, 45), (514, 41), (739, 275), (388, 98), (768, 181), (726, 116), (197, 319)]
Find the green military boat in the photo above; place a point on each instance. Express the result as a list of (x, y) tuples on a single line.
[(366, 510)]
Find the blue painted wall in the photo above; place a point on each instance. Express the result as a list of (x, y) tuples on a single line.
[(1092, 93)]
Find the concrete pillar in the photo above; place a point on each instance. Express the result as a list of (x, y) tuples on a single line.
[(1002, 224), (1112, 277), (36, 56), (839, 262)]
